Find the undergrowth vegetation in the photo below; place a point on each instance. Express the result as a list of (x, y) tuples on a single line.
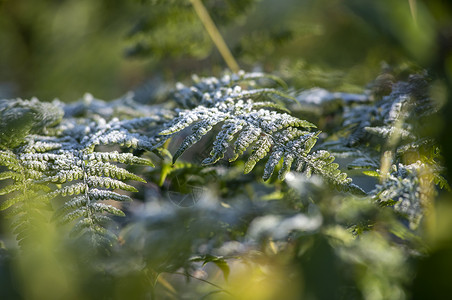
[(242, 186), (73, 167)]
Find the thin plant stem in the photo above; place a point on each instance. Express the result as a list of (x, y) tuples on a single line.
[(215, 35), (413, 10), (220, 289)]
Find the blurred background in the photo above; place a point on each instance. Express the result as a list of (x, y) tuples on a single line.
[(64, 48)]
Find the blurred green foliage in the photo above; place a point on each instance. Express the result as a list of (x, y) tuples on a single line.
[(63, 48)]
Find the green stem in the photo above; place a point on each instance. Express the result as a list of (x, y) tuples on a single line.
[(205, 281), (215, 35), (413, 10)]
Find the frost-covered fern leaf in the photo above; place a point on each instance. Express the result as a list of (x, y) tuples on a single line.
[(94, 122), (88, 178), (125, 108), (409, 190), (22, 198), (18, 118), (249, 119), (407, 102), (204, 90), (393, 122), (68, 163)]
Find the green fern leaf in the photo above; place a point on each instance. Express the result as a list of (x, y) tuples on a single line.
[(12, 175), (9, 189)]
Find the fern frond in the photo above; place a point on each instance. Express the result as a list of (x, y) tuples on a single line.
[(321, 162), (247, 123), (63, 161), (261, 149), (245, 138), (271, 105), (112, 171), (65, 175), (12, 201), (9, 160), (114, 132), (98, 194), (200, 129), (115, 156), (224, 137), (69, 190), (10, 188), (364, 163), (36, 145), (82, 207), (404, 190), (19, 118), (93, 227), (106, 182), (238, 116), (89, 176), (387, 131), (16, 176)]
